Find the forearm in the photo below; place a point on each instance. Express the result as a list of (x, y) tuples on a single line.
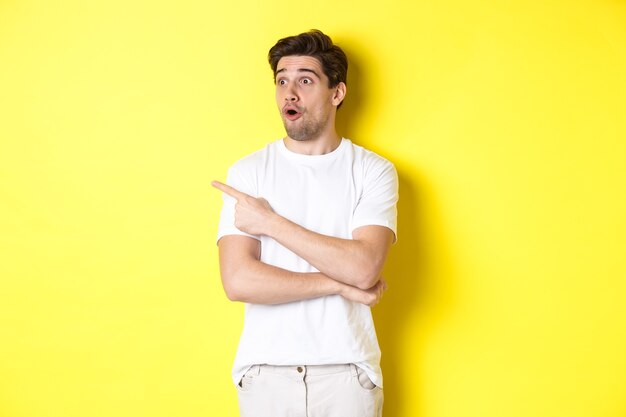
[(349, 261), (256, 282), (245, 278)]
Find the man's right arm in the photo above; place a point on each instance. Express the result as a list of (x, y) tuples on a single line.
[(245, 278)]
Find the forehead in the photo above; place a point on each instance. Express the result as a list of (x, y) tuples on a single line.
[(296, 63)]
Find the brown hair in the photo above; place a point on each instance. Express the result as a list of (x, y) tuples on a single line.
[(318, 45)]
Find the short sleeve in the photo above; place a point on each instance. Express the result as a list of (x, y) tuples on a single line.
[(227, 216), (378, 201)]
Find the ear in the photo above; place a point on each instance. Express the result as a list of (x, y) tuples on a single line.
[(340, 93)]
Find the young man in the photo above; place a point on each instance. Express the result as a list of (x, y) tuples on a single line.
[(303, 236)]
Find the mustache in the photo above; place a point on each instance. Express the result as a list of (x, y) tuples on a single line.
[(288, 107)]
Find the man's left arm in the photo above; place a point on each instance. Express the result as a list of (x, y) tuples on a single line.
[(358, 261)]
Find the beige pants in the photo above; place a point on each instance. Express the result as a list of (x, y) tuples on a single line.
[(309, 391)]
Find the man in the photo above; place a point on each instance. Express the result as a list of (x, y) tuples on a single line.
[(303, 236)]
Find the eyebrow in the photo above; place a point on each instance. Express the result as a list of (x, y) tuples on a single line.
[(300, 70)]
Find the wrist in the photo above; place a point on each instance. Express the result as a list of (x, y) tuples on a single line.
[(329, 286), (274, 225), (340, 288)]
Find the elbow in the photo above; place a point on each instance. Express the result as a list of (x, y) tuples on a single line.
[(233, 291), (366, 283), (233, 294), (368, 267), (368, 277)]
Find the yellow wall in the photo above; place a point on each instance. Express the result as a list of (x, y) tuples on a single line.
[(506, 121)]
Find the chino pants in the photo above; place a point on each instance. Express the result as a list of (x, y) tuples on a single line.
[(308, 391)]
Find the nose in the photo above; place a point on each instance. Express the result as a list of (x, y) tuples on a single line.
[(291, 95)]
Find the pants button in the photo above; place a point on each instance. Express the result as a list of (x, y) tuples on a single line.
[(299, 369)]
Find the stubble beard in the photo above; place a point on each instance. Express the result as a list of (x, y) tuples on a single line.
[(305, 130)]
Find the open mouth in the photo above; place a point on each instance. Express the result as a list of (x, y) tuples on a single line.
[(292, 114)]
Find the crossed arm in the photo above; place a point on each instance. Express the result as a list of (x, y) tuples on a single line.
[(348, 267)]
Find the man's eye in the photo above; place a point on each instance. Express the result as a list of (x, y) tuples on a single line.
[(306, 81), (282, 82)]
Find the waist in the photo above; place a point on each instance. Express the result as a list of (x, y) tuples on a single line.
[(295, 370)]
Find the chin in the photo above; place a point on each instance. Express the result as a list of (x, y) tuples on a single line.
[(298, 136), (302, 134)]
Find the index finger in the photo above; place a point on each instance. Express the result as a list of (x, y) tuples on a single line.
[(237, 195)]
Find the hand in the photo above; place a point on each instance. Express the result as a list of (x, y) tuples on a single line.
[(252, 215), (369, 297)]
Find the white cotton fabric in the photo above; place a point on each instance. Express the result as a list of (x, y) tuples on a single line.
[(332, 194)]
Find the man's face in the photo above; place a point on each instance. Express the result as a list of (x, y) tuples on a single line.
[(306, 104)]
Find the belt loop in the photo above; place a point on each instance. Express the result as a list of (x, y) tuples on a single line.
[(354, 369), (255, 369)]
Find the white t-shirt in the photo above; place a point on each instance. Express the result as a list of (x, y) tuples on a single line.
[(331, 194)]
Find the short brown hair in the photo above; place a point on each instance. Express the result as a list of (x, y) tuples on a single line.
[(316, 44)]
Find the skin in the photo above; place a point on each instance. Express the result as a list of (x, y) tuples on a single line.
[(348, 267), (301, 82)]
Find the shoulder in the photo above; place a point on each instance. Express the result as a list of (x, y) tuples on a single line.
[(370, 161), (251, 162)]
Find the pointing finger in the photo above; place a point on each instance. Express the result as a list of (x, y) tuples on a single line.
[(237, 195)]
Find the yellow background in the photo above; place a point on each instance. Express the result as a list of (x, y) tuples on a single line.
[(506, 121)]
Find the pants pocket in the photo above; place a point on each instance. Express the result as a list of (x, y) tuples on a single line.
[(364, 381), (247, 380)]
